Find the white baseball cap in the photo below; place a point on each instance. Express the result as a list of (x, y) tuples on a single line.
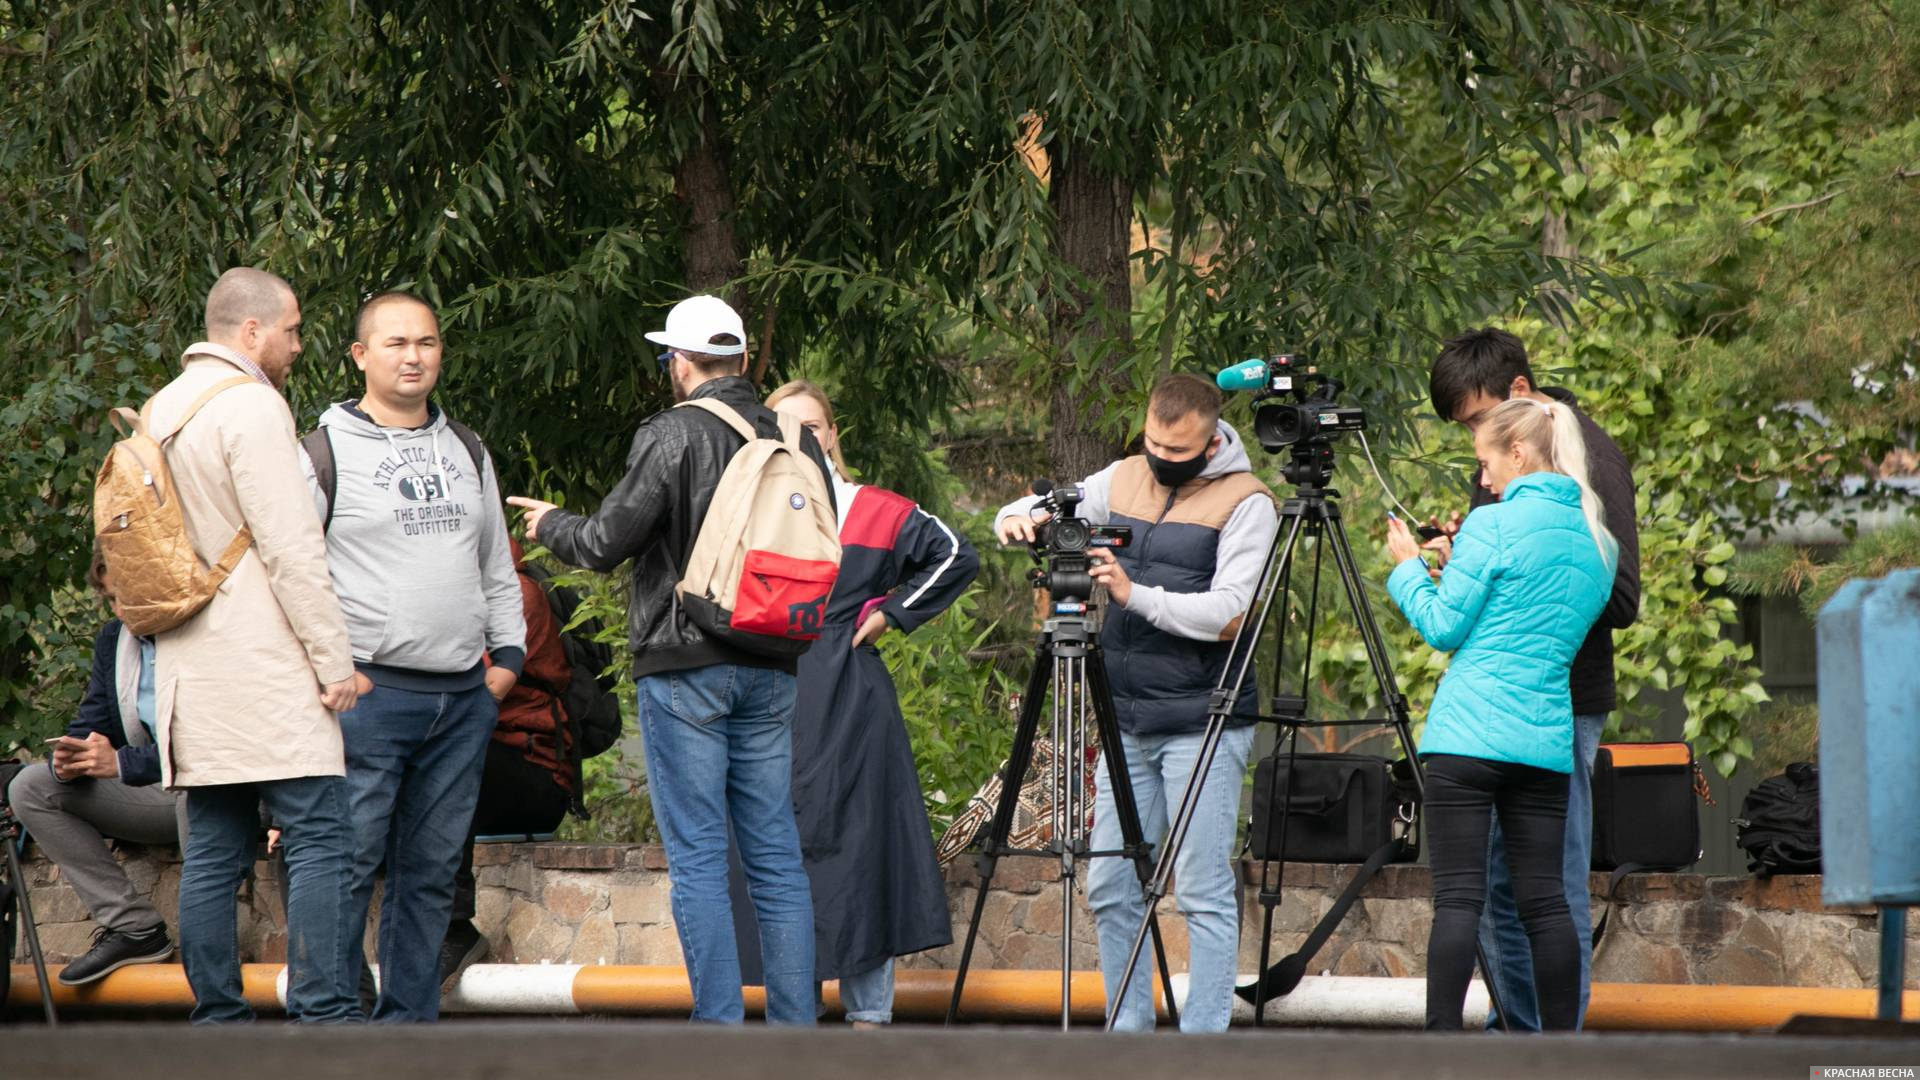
[(696, 321)]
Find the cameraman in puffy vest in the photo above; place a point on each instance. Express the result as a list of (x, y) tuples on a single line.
[(1203, 526)]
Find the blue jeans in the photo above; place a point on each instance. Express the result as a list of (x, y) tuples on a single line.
[(1204, 881), (322, 946), (413, 771), (719, 743), (1503, 940), (868, 996)]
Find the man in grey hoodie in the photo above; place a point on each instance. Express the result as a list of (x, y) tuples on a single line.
[(417, 546), (1202, 528)]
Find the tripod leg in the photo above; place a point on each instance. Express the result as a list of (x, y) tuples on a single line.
[(1127, 811), (1018, 760), (1266, 958), (27, 929), (1377, 656), (1069, 735)]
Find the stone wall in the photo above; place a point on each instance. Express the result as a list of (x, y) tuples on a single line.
[(610, 904)]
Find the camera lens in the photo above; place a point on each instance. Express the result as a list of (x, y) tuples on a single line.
[(1279, 425), (1069, 534)]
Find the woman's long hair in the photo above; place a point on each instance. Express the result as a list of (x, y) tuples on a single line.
[(1552, 433), (803, 388)]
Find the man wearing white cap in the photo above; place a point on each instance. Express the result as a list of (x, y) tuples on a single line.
[(717, 721)]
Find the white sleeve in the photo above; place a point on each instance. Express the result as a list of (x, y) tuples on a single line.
[(1245, 542)]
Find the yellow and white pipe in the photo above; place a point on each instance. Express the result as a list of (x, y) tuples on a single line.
[(997, 996)]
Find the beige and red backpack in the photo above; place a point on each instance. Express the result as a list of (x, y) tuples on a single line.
[(765, 560)]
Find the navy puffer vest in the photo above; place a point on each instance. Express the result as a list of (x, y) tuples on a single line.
[(1161, 681)]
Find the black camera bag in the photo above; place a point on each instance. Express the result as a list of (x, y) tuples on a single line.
[(1646, 812), (1347, 808), (1338, 808)]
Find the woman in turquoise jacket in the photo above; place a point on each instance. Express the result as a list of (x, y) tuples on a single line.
[(1526, 579)]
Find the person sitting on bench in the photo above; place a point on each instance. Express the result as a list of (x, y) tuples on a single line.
[(103, 783)]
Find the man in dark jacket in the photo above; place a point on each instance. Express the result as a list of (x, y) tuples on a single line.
[(1474, 373), (103, 782), (717, 721)]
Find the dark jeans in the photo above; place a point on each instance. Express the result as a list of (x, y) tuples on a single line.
[(516, 796), (1462, 795), (322, 936), (413, 768)]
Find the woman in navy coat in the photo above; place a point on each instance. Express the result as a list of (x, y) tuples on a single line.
[(877, 890)]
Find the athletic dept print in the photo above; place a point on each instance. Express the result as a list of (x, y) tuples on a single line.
[(411, 473), (413, 470)]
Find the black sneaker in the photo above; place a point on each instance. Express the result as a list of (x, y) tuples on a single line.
[(463, 948), (112, 951)]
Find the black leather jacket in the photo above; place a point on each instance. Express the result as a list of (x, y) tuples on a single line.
[(652, 517)]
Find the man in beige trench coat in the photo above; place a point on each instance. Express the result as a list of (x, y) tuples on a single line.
[(247, 690)]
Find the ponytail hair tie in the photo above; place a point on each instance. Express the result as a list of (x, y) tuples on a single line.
[(1547, 408)]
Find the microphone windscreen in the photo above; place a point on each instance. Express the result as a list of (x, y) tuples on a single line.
[(1246, 375)]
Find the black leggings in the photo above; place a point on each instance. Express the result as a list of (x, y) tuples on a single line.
[(1462, 793)]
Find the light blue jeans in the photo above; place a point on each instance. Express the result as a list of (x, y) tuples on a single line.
[(1204, 882), (868, 996), (719, 743), (1503, 940)]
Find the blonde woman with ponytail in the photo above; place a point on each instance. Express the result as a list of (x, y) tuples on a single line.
[(1527, 577)]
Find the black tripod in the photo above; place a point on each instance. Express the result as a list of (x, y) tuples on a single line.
[(1067, 656), (1315, 513), (14, 899)]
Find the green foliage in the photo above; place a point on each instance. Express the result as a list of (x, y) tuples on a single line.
[(1744, 388), (47, 619), (1353, 179), (1812, 576), (1786, 732), (618, 809)]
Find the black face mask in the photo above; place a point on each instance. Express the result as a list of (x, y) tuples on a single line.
[(1171, 474)]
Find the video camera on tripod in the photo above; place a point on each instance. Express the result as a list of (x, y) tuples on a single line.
[(1066, 717), (1063, 545)]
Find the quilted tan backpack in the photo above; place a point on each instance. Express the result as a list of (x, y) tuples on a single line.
[(768, 552), (157, 578)]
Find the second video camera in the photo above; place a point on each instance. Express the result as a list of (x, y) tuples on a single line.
[(1063, 543), (1307, 424)]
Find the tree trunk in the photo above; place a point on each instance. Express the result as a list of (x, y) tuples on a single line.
[(1556, 233), (1556, 245), (1091, 213), (705, 193)]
